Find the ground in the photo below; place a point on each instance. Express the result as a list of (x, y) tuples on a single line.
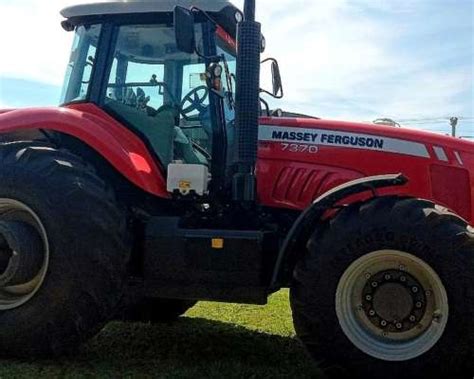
[(211, 341)]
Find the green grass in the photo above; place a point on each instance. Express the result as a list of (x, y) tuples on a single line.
[(211, 341)]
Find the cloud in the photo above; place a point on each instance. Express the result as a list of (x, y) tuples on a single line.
[(364, 59), (352, 59), (34, 46)]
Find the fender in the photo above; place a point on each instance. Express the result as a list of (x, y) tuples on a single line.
[(303, 226), (119, 146)]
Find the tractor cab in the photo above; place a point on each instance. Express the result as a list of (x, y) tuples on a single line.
[(126, 60)]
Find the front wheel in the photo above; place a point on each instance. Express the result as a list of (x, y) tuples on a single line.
[(385, 290)]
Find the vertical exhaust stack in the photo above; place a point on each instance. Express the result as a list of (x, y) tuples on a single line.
[(247, 105)]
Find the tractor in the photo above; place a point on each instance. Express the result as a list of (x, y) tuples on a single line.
[(164, 178)]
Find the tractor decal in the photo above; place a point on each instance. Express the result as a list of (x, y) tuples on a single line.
[(324, 137)]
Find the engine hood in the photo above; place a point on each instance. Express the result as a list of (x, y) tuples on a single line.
[(367, 129)]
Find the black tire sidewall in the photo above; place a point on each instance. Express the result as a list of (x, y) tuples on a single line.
[(83, 283), (335, 247)]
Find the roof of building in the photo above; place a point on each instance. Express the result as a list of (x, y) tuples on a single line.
[(139, 6)]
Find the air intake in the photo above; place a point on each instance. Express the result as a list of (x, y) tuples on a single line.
[(247, 105)]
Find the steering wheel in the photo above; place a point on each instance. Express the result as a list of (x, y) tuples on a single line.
[(196, 99)]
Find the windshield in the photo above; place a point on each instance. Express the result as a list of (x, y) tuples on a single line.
[(81, 62)]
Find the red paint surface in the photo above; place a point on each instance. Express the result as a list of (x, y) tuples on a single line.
[(292, 180), (221, 33), (119, 146), (285, 179)]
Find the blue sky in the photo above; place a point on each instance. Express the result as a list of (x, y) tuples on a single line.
[(410, 60)]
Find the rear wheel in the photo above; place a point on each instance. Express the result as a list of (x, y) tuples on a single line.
[(385, 289), (63, 252)]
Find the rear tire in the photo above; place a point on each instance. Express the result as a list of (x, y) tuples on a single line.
[(340, 331), (85, 230)]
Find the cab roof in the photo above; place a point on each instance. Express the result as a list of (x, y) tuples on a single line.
[(106, 7)]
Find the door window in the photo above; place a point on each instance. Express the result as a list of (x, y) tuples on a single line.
[(148, 84)]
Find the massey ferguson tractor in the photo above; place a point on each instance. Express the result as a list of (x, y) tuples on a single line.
[(164, 179)]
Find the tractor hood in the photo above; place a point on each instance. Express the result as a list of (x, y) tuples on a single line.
[(356, 135), (302, 158)]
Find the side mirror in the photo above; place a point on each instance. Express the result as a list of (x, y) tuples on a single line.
[(277, 84), (276, 79), (184, 30)]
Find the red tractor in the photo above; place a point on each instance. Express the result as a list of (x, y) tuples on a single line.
[(164, 179)]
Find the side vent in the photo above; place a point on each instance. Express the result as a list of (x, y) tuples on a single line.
[(299, 186)]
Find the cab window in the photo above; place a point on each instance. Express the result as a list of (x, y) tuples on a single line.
[(81, 63), (161, 93)]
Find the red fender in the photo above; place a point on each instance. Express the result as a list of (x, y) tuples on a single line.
[(87, 122)]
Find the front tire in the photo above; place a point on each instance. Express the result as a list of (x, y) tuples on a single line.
[(385, 290), (74, 289)]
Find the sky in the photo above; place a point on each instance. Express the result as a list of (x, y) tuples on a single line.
[(409, 60)]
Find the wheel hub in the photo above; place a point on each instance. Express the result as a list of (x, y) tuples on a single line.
[(392, 305), (24, 253), (394, 301), (5, 254)]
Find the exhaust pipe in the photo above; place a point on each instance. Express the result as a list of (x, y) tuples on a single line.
[(247, 105)]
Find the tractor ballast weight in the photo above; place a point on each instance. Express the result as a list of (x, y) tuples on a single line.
[(160, 182)]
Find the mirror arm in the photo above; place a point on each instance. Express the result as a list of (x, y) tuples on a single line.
[(272, 94), (204, 13), (267, 107)]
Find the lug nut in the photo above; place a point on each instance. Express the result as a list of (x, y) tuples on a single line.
[(388, 277), (412, 318), (372, 313), (414, 289), (383, 323), (403, 279), (418, 304), (398, 325), (437, 316), (374, 284), (367, 275), (368, 298), (428, 293)]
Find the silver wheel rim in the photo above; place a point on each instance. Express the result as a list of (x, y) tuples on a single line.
[(367, 309), (15, 296)]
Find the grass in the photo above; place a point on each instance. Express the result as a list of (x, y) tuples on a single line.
[(211, 341)]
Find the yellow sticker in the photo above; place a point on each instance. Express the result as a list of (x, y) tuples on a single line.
[(217, 243), (184, 184)]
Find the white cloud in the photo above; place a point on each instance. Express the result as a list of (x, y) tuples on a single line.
[(339, 58), (34, 46)]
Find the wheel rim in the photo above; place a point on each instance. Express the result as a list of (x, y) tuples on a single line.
[(392, 305), (13, 295)]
